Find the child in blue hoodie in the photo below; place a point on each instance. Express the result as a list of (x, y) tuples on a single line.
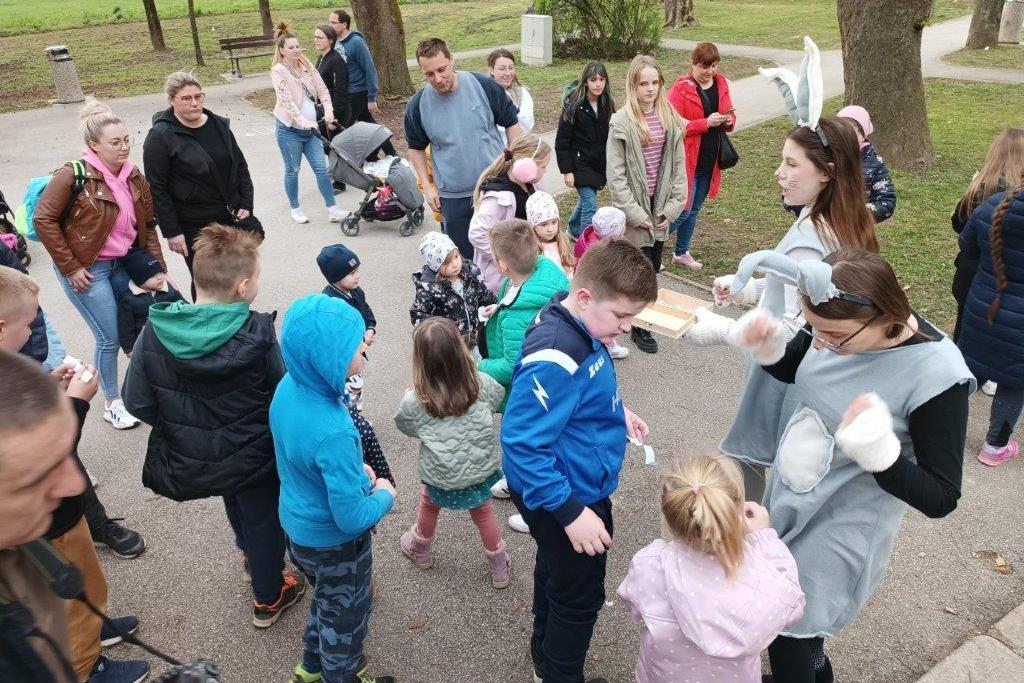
[(564, 439), (330, 500)]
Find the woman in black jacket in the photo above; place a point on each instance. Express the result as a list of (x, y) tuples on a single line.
[(334, 71), (196, 171), (581, 139)]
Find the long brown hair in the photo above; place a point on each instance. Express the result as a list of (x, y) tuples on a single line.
[(1003, 167), (840, 213), (867, 274), (995, 238), (515, 91), (443, 373), (702, 504)]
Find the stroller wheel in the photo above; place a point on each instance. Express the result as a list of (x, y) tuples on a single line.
[(350, 226), (26, 260), (406, 228), (417, 217)]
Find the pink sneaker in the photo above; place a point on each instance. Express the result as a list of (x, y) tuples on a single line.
[(997, 456), (687, 261)]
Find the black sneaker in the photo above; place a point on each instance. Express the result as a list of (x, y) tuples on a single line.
[(644, 340), (111, 636), (338, 187), (125, 543), (264, 616)]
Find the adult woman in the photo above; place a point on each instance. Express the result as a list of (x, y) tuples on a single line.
[(701, 97), (88, 233), (581, 139), (880, 425), (991, 336), (646, 171), (826, 181), (502, 65), (334, 73), (1004, 164), (195, 168), (299, 88)]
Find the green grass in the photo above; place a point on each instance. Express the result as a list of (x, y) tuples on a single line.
[(1000, 57), (783, 23), (116, 60)]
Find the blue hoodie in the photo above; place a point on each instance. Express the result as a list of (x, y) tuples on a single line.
[(326, 497), (362, 74)]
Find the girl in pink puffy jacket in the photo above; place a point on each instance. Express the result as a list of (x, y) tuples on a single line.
[(716, 594)]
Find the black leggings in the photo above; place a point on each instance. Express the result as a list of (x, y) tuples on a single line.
[(654, 254), (799, 660)]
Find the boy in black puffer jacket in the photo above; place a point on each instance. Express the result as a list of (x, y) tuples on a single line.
[(148, 285)]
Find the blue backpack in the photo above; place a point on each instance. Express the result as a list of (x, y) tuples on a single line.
[(24, 215)]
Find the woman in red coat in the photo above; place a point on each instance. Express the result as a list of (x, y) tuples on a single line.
[(701, 97)]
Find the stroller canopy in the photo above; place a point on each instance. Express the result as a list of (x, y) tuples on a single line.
[(360, 140)]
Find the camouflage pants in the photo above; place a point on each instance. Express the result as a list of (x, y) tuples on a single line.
[(340, 608)]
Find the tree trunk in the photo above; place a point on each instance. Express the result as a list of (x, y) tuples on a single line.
[(882, 68), (679, 14), (268, 23), (386, 40), (156, 33), (195, 33), (985, 24)]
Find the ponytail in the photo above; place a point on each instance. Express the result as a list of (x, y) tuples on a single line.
[(93, 117), (528, 146), (996, 246)]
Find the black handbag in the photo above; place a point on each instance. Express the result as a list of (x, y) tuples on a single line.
[(727, 154)]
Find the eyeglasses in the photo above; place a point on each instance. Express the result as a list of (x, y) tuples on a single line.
[(189, 99), (795, 327), (123, 143)]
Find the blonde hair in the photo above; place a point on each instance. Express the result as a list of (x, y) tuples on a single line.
[(222, 256), (178, 81), (19, 293), (281, 36), (1003, 163), (702, 504), (528, 146), (93, 117), (514, 242), (666, 114)]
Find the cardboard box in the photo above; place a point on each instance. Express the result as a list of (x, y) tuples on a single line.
[(671, 315)]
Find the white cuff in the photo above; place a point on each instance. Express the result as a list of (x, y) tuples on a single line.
[(869, 440), (768, 352), (710, 328)]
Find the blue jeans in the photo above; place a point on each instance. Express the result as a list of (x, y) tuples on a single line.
[(98, 307), (584, 211), (56, 353), (294, 143), (687, 222), (456, 213)]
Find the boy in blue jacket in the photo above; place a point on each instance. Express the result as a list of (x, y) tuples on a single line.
[(329, 499), (564, 439)]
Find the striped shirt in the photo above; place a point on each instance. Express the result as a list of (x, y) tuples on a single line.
[(653, 150)]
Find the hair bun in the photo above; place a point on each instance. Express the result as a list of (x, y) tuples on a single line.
[(282, 28), (91, 108)]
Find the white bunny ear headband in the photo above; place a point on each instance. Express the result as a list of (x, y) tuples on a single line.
[(811, 278), (805, 93)]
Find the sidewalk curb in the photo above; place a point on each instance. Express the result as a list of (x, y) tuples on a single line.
[(997, 655)]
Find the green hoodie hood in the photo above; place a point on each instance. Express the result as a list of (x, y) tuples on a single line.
[(195, 330)]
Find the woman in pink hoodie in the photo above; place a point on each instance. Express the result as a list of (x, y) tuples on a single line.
[(716, 594)]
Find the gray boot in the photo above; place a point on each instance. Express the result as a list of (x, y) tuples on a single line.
[(417, 548), (500, 565)]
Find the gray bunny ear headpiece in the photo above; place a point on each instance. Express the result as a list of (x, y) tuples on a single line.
[(805, 93), (812, 278)]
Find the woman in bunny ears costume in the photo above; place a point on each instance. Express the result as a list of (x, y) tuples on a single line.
[(820, 170), (880, 424)]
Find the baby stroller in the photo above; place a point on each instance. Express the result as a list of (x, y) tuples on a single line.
[(9, 234), (391, 192)]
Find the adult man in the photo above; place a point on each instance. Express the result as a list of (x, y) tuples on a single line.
[(362, 74), (457, 114)]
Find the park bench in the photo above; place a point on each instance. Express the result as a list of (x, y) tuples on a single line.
[(253, 46)]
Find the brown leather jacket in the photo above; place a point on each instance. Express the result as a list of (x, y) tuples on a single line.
[(76, 244)]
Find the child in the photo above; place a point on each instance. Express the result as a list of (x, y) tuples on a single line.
[(148, 285), (202, 376), (450, 287), (329, 500), (564, 439), (450, 410), (501, 195), (877, 179), (608, 222), (750, 587), (542, 215), (340, 266)]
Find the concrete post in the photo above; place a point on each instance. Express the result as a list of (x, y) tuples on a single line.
[(535, 37), (1013, 19), (65, 76)]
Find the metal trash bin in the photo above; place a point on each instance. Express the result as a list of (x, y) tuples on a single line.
[(65, 76)]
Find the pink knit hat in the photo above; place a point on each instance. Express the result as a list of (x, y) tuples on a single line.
[(860, 115)]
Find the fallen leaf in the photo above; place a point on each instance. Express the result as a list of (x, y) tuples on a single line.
[(1002, 566), (950, 610), (416, 624)]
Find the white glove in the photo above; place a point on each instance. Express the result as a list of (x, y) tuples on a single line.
[(766, 352), (710, 328), (748, 295), (868, 439)]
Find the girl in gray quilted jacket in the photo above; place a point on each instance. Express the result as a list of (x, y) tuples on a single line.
[(450, 409)]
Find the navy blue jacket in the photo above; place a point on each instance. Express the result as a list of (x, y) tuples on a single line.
[(357, 300), (995, 351), (36, 348), (878, 183), (564, 431)]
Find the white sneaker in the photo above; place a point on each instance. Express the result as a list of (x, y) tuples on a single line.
[(519, 524), (989, 388), (92, 480), (500, 489), (299, 216), (337, 213), (119, 417), (617, 350)]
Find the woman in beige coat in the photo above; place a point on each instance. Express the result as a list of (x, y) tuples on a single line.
[(647, 166)]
